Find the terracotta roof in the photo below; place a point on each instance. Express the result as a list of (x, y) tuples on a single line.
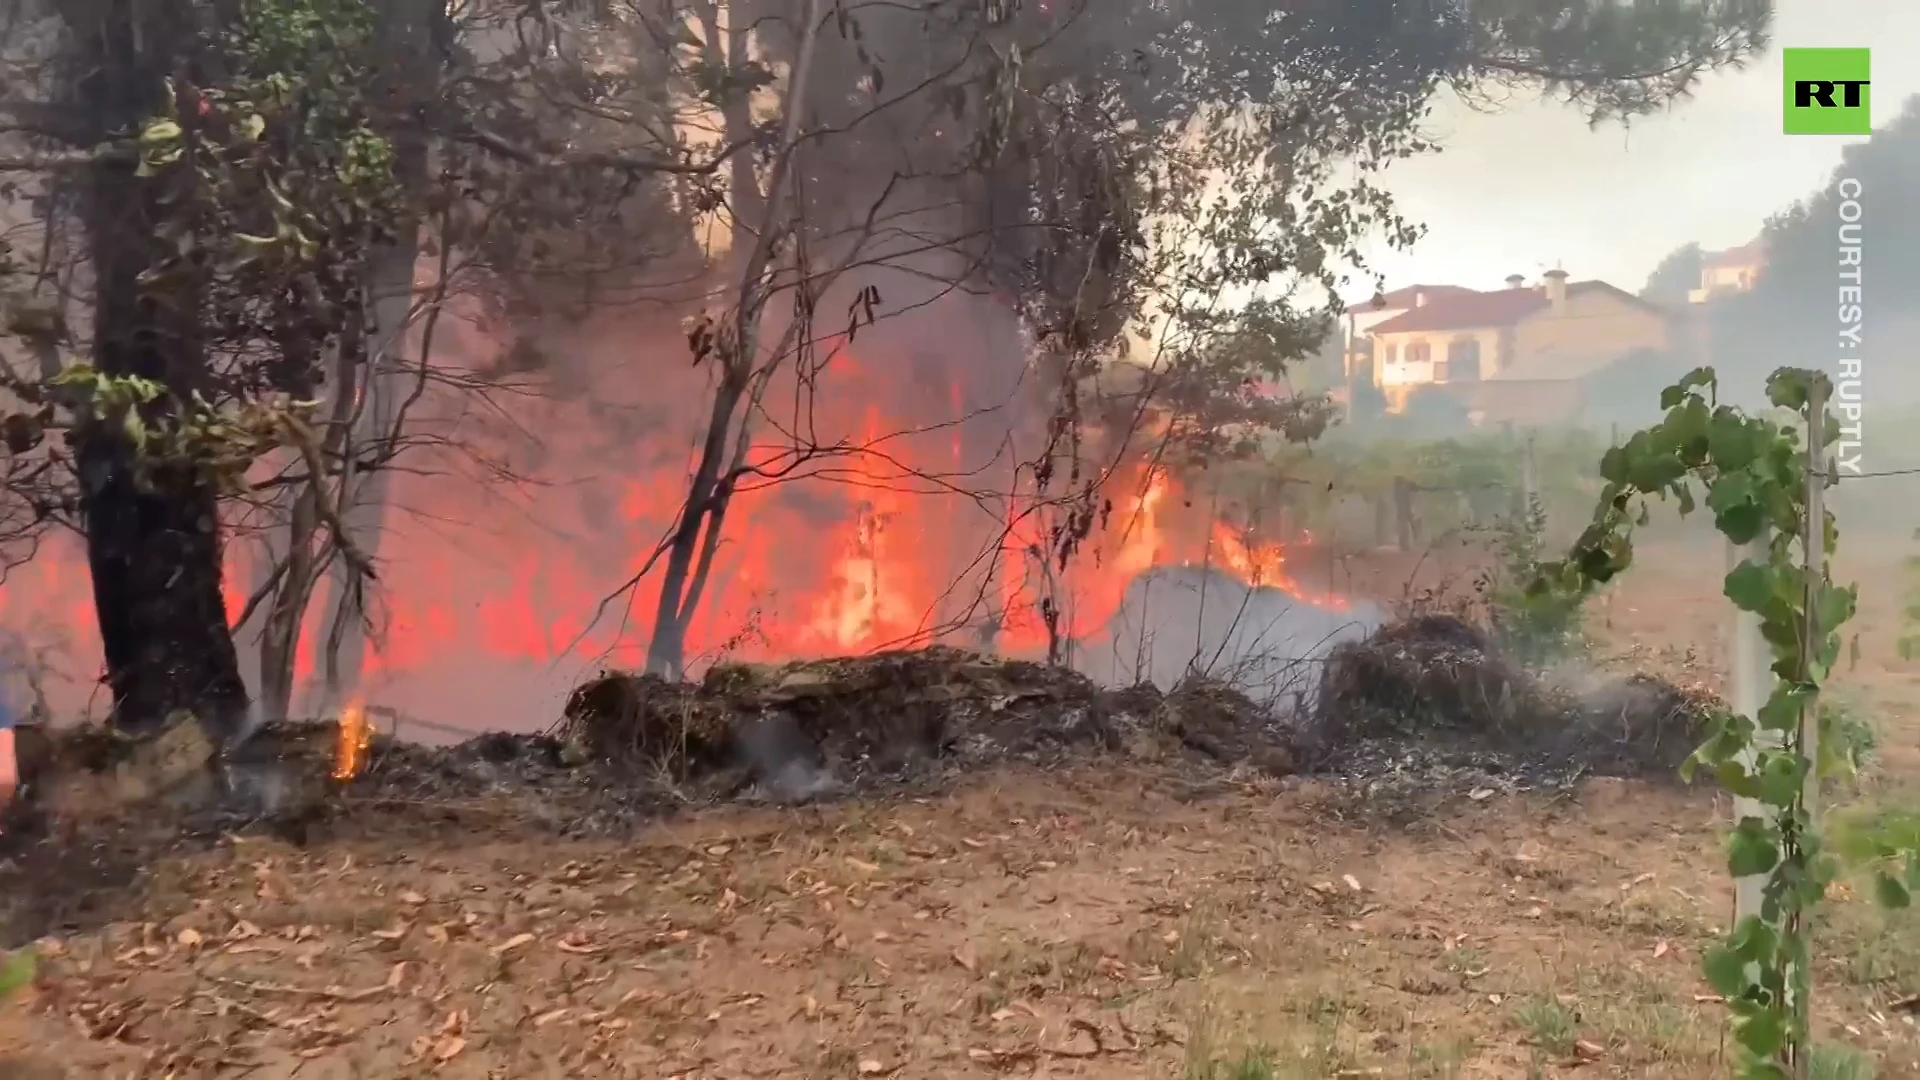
[(1475, 310), (1407, 297), (1466, 311)]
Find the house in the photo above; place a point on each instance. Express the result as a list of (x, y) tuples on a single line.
[(1516, 354), (1362, 318), (1730, 271)]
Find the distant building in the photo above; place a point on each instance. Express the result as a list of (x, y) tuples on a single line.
[(1363, 317), (1518, 354), (1731, 271)]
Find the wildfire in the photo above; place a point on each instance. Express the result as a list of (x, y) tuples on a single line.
[(350, 746), (908, 543), (1261, 564)]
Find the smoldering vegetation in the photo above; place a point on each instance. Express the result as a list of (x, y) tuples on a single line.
[(1396, 717)]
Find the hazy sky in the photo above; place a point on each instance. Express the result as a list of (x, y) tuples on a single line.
[(1531, 186)]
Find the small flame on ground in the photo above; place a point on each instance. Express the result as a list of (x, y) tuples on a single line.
[(350, 749)]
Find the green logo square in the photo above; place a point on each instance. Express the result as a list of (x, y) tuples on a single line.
[(1826, 92)]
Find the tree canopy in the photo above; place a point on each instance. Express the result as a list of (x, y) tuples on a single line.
[(227, 194)]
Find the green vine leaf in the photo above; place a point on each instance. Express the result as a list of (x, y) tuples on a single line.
[(1891, 891), (1750, 587), (1751, 849)]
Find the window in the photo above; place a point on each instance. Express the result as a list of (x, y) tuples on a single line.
[(1391, 353), (1419, 353), (1463, 359)]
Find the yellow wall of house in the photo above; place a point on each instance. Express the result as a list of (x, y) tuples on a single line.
[(1400, 373), (1593, 327), (1596, 326)]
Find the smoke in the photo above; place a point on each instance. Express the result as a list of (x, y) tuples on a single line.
[(1180, 621)]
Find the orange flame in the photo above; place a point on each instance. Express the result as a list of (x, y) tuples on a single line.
[(922, 534), (1262, 564), (350, 747)]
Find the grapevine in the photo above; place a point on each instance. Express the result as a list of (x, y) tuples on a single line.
[(1751, 473)]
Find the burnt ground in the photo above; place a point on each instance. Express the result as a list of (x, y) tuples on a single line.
[(1124, 904)]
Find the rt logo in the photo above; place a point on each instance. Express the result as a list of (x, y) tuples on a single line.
[(1826, 92)]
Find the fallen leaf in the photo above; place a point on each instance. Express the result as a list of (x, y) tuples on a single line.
[(863, 867), (549, 1017), (1590, 1050), (411, 897), (1352, 882), (965, 958), (190, 938), (449, 1048), (511, 944), (1480, 794), (1661, 950), (872, 1067), (395, 932), (578, 945)]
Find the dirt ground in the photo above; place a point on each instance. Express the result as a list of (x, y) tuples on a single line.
[(1120, 921)]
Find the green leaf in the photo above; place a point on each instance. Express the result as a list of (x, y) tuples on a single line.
[(1750, 587), (1725, 970), (1784, 706), (1787, 388), (253, 127), (1782, 779), (1741, 523), (1891, 891), (1751, 849), (1761, 1032)]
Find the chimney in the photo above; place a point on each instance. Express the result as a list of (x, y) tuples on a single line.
[(1556, 288), (1419, 298), (1515, 281)]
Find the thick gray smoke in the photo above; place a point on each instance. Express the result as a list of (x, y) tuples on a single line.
[(1179, 621)]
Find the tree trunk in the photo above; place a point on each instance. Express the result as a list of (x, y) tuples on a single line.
[(280, 637), (666, 652), (152, 528), (414, 33)]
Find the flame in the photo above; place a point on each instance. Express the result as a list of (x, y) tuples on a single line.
[(885, 546), (350, 744), (1262, 564)]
